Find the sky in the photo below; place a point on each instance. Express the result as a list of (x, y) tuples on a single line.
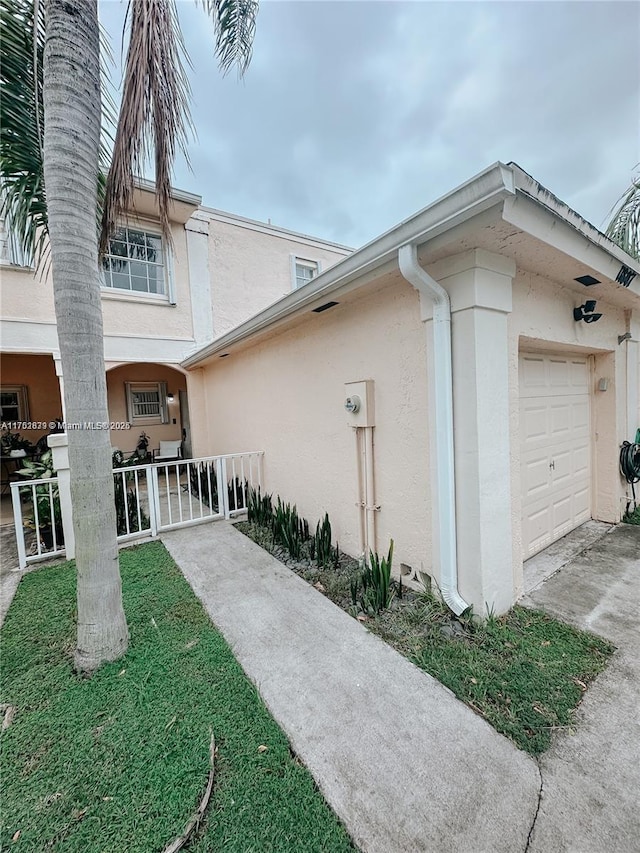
[(355, 114)]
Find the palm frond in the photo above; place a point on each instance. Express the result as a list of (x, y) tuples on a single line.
[(624, 228), (22, 202), (154, 113), (234, 25)]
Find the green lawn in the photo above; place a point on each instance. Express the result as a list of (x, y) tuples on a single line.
[(119, 762), (524, 672)]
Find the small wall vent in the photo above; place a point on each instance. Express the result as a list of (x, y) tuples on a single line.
[(324, 307)]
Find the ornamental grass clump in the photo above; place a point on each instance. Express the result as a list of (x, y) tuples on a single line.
[(289, 530), (322, 549), (259, 508), (372, 591)]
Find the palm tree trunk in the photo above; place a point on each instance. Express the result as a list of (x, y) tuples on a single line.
[(71, 145)]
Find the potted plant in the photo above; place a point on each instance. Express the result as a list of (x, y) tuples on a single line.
[(14, 445), (142, 447)]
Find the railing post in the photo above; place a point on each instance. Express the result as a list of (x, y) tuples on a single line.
[(17, 519), (223, 489), (59, 444), (154, 499)]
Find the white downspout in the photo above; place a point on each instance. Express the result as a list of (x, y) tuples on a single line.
[(443, 399)]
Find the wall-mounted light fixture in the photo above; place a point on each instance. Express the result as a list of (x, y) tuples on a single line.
[(586, 312), (625, 337), (170, 397)]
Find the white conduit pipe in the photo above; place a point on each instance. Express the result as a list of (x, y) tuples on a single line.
[(370, 495), (443, 399), (361, 499)]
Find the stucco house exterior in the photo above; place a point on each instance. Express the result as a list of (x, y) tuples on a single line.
[(159, 303), (486, 395)]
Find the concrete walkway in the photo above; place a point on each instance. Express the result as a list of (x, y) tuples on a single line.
[(407, 767), (591, 776)]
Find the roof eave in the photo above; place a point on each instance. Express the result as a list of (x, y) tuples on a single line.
[(489, 188)]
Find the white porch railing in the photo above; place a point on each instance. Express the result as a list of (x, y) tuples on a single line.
[(149, 499), (41, 532)]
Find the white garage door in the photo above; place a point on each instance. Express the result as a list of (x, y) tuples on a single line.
[(555, 451)]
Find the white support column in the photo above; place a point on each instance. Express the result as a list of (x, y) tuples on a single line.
[(479, 285), (58, 363), (59, 445), (197, 232)]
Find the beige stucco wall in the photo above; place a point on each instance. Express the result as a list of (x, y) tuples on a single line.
[(25, 296), (124, 314), (251, 268), (28, 296), (286, 396), (126, 440), (38, 373)]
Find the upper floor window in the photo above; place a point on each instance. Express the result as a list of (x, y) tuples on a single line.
[(135, 262), (304, 271)]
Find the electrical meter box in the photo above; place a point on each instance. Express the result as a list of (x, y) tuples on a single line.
[(358, 403)]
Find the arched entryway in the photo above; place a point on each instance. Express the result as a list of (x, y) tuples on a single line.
[(148, 398)]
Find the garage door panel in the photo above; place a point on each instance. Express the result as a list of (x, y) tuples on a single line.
[(561, 420), (580, 375), (537, 477), (537, 527), (562, 473), (580, 417), (582, 506), (580, 464), (561, 516), (558, 373), (537, 423), (555, 447), (532, 373)]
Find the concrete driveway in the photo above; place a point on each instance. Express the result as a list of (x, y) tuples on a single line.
[(590, 799)]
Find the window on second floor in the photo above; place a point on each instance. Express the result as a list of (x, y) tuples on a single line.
[(135, 262), (304, 271)]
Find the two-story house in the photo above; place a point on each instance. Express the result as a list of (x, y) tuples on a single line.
[(160, 303)]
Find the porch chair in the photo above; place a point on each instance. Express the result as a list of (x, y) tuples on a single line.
[(168, 451)]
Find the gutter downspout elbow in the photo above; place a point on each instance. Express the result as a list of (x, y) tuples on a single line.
[(443, 404)]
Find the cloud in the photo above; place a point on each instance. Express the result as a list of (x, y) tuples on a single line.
[(353, 115)]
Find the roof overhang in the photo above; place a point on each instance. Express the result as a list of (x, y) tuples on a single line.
[(502, 209), (145, 202)]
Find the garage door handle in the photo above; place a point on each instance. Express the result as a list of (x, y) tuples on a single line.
[(552, 465)]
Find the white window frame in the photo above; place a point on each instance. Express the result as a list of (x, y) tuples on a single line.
[(161, 388), (169, 295), (309, 263), (22, 401)]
